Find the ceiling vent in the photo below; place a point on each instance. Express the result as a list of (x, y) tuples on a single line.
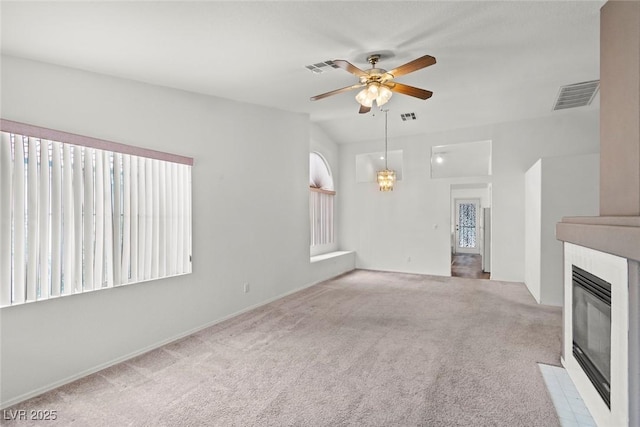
[(576, 95), (408, 116), (321, 67)]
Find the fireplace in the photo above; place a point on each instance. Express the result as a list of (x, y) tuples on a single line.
[(591, 303), (598, 352)]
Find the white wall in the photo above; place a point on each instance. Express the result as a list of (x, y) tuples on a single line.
[(555, 187), (532, 228), (412, 222), (250, 219), (570, 187)]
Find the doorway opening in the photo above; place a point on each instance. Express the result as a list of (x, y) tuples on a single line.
[(470, 231)]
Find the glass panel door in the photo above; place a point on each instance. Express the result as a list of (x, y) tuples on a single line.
[(467, 215)]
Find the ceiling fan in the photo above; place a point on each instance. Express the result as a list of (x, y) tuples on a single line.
[(378, 84)]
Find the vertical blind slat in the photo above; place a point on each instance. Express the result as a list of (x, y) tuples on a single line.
[(180, 224), (19, 225), (171, 220), (108, 220), (148, 234), (168, 218), (98, 279), (173, 242), (133, 275), (117, 218), (311, 228), (56, 219), (162, 216), (68, 223), (331, 223), (32, 220), (321, 232), (6, 185), (89, 220), (319, 217), (187, 223), (155, 230), (175, 184), (142, 218), (44, 218), (78, 192), (126, 219), (182, 209)]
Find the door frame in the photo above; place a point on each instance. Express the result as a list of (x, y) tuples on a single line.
[(456, 204)]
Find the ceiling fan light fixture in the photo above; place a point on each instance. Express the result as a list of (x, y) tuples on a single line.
[(373, 89), (364, 99), (384, 95), (374, 92)]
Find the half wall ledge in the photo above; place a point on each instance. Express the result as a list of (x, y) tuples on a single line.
[(329, 255), (330, 265)]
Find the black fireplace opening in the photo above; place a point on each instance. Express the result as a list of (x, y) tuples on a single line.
[(592, 329)]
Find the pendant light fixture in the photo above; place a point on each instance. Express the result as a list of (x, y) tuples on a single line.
[(386, 177)]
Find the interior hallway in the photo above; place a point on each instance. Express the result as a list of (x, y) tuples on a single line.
[(468, 265)]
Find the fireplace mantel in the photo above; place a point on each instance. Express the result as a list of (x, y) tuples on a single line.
[(616, 235)]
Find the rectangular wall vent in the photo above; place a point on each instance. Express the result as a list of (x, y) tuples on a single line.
[(321, 67), (408, 116), (576, 95)]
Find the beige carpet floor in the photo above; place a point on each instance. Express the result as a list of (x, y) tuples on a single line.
[(364, 349)]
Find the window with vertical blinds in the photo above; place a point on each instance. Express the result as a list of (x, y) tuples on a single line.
[(75, 218), (321, 217), (321, 199)]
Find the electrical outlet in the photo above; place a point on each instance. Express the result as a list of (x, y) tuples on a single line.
[(246, 287)]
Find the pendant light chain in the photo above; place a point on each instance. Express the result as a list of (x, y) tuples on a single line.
[(385, 139)]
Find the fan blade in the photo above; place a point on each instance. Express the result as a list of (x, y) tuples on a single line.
[(410, 90), (345, 65), (337, 91), (364, 110), (412, 66)]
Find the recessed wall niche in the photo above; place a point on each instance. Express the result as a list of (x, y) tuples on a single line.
[(368, 164), (461, 160)]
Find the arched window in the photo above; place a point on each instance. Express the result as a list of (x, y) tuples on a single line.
[(319, 172), (321, 200)]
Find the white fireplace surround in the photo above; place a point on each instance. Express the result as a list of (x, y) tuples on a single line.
[(614, 270)]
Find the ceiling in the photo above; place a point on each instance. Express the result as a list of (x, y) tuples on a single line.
[(497, 61)]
